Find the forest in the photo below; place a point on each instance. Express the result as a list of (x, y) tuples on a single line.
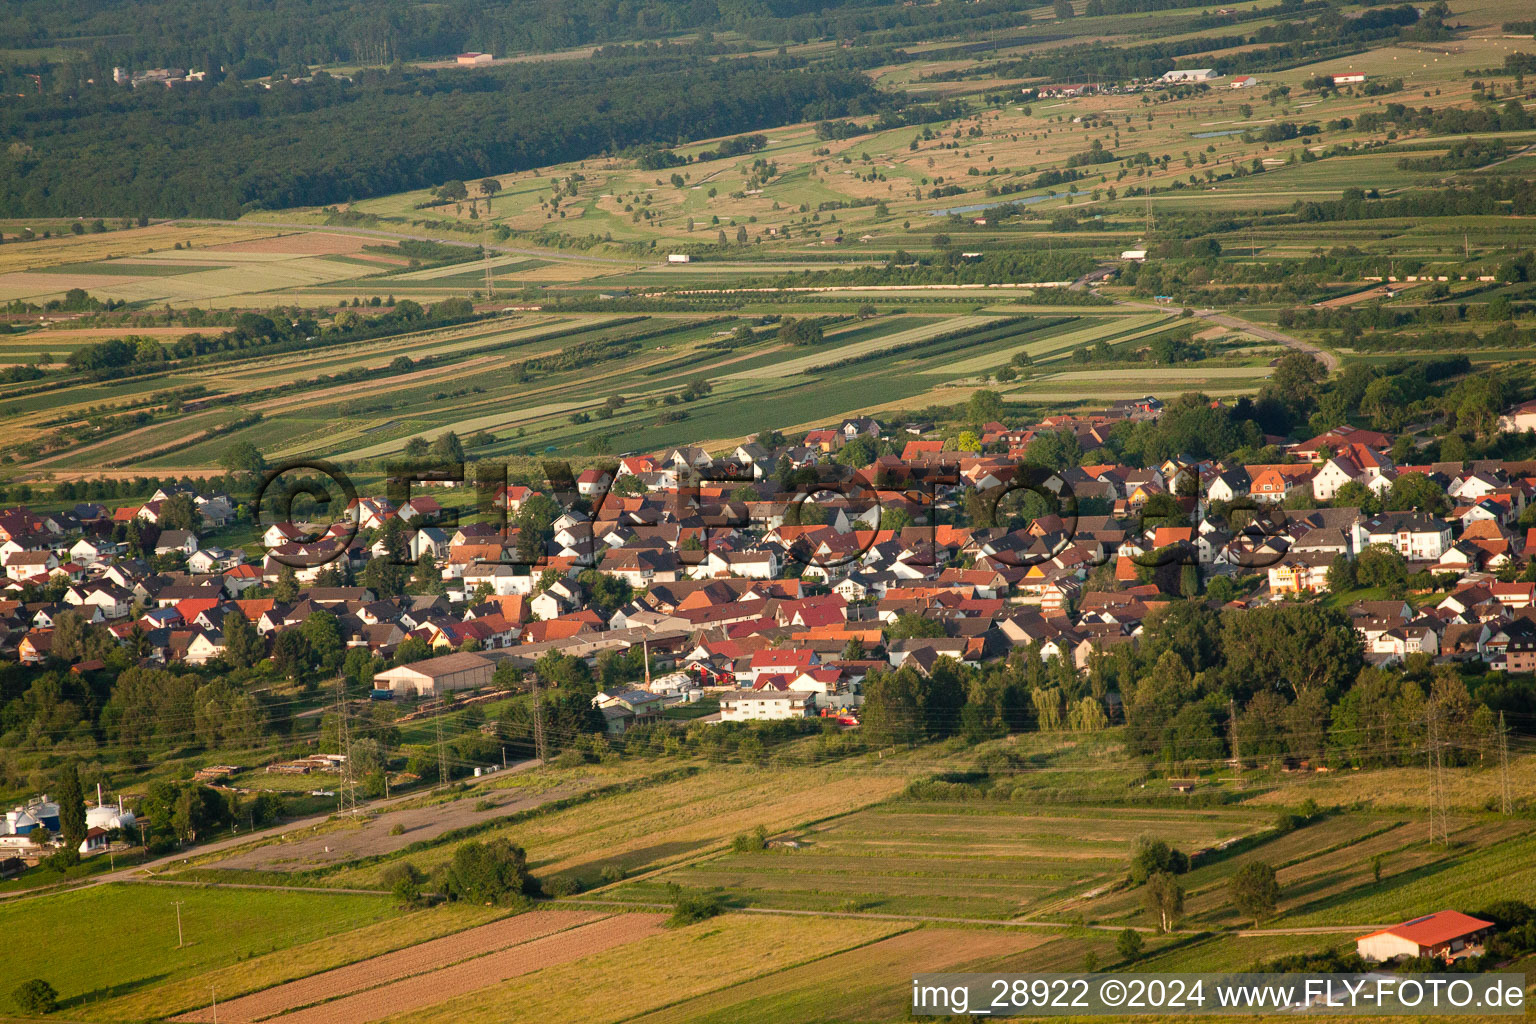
[(225, 149), (255, 39)]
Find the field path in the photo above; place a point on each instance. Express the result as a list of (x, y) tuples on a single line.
[(432, 955), (482, 972), (1017, 922)]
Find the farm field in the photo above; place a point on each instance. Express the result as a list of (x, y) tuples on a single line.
[(872, 981), (682, 963), (672, 821), (112, 940), (948, 860), (539, 942)]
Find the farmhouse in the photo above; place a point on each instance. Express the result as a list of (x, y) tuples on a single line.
[(472, 59), (435, 676), (1244, 82), (1447, 935)]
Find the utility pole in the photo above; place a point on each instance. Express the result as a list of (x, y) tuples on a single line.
[(1503, 766), (213, 1002), (485, 254), (1237, 757), (539, 750), (179, 942), (347, 795), (1439, 829), (442, 751)]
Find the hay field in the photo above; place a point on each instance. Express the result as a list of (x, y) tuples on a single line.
[(657, 971), (544, 945), (870, 983), (65, 249), (992, 861)]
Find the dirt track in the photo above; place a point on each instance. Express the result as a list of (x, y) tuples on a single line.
[(482, 972), (333, 846), (393, 967)]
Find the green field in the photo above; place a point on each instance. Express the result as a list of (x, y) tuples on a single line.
[(113, 940)]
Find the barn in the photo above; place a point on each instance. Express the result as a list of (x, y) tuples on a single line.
[(1446, 935), (436, 676)]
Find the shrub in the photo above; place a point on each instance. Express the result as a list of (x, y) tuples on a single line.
[(564, 885), (750, 842), (1128, 944), (404, 881), (691, 908)]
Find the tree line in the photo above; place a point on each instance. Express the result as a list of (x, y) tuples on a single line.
[(222, 150)]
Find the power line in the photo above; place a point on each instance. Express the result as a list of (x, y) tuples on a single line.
[(540, 748), (442, 751), (1504, 766)]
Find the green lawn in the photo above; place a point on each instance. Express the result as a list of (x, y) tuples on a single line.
[(108, 941)]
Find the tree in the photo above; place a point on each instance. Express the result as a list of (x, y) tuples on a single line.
[(492, 872), (1164, 897), (242, 457), (448, 448), (1380, 565), (35, 997), (180, 512), (1128, 944), (322, 631), (71, 801), (983, 407), (1341, 573), (286, 589), (1150, 855), (1255, 891), (1087, 715), (1289, 646), (242, 644), (1417, 491), (1064, 9), (488, 188), (800, 332)]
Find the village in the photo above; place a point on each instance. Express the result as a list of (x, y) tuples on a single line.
[(779, 603)]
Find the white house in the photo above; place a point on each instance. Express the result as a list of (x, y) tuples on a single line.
[(1519, 419), (764, 705), (1417, 537)]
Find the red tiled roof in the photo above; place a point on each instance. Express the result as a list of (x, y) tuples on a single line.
[(1435, 929)]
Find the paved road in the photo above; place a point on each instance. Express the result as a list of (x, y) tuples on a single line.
[(1328, 359), (459, 240)]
